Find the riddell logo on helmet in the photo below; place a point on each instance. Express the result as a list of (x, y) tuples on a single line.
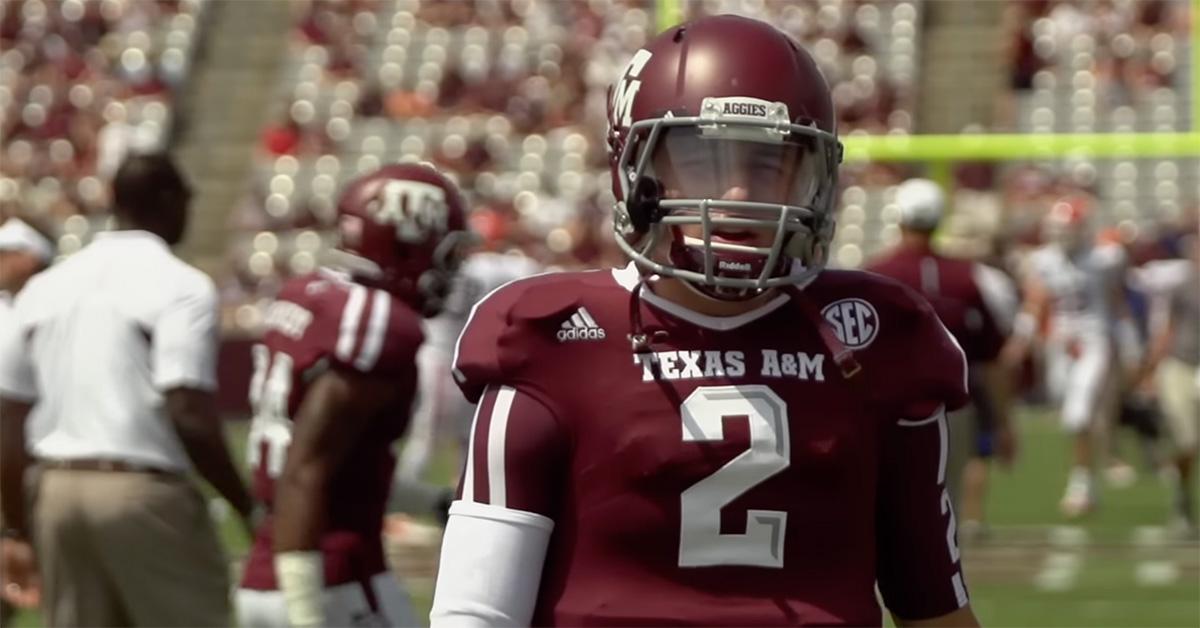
[(740, 267), (745, 109)]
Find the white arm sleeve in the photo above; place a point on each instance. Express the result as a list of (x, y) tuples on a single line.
[(491, 566)]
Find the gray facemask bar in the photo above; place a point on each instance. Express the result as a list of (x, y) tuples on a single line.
[(785, 219)]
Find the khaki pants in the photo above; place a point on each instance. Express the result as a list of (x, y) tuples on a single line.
[(1180, 402), (128, 549)]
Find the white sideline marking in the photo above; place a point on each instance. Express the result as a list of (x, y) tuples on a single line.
[(1156, 573), (1059, 572), (1068, 536), (218, 509), (1149, 536)]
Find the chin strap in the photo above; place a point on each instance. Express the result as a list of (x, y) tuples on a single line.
[(843, 356), (641, 338)]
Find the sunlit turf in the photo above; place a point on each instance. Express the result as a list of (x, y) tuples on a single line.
[(1030, 573)]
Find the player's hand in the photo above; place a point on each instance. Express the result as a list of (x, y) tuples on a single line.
[(18, 574), (1006, 446)]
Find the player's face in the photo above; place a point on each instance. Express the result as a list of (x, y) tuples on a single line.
[(690, 166)]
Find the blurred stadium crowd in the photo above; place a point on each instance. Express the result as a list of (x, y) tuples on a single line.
[(509, 96)]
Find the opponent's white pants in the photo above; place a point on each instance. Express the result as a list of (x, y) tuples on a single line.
[(440, 408), (345, 605), (1082, 374)]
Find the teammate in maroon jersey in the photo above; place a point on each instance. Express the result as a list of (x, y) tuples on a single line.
[(722, 432), (333, 383)]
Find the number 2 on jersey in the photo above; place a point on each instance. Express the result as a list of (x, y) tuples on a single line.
[(271, 429), (701, 543)]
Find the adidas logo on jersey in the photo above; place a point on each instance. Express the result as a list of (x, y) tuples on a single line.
[(581, 326)]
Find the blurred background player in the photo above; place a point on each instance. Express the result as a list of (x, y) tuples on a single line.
[(441, 409), (1074, 298), (1173, 362), (973, 301), (115, 351), (335, 376), (24, 251), (620, 411)]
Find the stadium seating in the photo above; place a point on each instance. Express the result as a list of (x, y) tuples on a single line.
[(511, 97), (1121, 67), (80, 84)]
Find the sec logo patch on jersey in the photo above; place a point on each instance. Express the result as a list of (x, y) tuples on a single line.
[(854, 321)]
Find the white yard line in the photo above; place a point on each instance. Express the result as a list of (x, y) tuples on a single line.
[(1059, 571)]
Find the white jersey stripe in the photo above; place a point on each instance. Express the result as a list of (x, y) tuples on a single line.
[(468, 487), (587, 317), (348, 329), (381, 307), (960, 590), (943, 445), (930, 281), (961, 354), (938, 413), (497, 430)]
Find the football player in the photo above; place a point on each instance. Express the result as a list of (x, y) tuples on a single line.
[(441, 408), (721, 432), (976, 303), (334, 379), (1073, 297)]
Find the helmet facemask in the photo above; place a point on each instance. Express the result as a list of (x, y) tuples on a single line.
[(733, 203)]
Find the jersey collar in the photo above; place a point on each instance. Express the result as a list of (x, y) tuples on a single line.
[(628, 277)]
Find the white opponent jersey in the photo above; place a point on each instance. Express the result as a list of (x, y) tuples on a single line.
[(1080, 286), (480, 274)]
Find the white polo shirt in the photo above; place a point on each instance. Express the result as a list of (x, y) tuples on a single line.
[(96, 339)]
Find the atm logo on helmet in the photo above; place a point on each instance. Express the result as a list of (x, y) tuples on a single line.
[(626, 89)]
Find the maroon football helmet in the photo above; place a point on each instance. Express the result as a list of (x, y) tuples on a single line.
[(726, 123), (402, 228)]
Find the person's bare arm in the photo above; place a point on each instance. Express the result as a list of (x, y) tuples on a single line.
[(19, 583), (194, 414), (14, 460), (1034, 309), (337, 409)]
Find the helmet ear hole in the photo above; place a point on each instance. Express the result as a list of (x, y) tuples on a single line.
[(643, 203)]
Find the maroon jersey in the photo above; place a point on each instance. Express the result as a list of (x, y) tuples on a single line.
[(322, 321), (949, 285), (729, 474)]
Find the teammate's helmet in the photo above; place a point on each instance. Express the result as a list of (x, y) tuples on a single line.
[(724, 122), (1068, 224), (921, 204), (403, 229)]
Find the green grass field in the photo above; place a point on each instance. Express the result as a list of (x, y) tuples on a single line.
[(1115, 568)]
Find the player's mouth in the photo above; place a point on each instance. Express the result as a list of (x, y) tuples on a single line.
[(739, 237), (745, 238)]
